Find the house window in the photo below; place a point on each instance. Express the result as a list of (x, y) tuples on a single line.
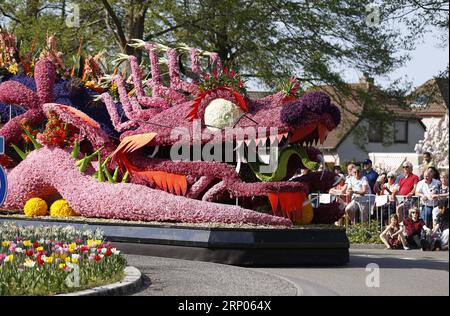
[(400, 131), (375, 132)]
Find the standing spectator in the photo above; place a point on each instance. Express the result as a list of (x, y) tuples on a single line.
[(370, 174), (427, 163), (379, 184), (350, 168), (443, 194), (440, 225), (435, 173), (412, 230), (337, 169), (388, 189), (358, 187), (406, 187), (392, 235), (443, 190), (428, 191), (340, 190)]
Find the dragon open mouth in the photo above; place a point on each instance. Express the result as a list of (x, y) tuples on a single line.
[(263, 174)]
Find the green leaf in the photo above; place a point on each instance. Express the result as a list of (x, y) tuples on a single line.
[(32, 139), (76, 149), (22, 154)]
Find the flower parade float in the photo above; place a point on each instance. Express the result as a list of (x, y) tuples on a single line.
[(195, 168)]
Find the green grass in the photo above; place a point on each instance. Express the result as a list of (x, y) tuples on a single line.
[(364, 233)]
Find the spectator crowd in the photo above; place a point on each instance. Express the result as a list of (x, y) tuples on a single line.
[(414, 207)]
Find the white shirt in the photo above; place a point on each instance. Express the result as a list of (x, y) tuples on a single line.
[(356, 185), (427, 190)]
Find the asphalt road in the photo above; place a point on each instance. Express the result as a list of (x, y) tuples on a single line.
[(400, 273), (413, 273)]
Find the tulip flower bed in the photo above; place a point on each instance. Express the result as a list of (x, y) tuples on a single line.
[(32, 263)]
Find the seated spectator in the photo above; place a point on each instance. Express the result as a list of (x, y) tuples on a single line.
[(428, 191), (406, 188), (392, 235), (358, 188), (340, 190), (413, 227), (440, 226)]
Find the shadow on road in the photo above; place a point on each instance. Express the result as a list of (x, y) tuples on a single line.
[(404, 262)]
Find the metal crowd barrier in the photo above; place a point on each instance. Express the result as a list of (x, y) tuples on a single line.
[(377, 203)]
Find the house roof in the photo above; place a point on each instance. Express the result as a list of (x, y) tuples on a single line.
[(431, 98), (351, 109)]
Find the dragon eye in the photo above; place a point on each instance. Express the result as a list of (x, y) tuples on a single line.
[(221, 113)]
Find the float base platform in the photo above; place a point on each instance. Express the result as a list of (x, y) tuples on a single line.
[(256, 247)]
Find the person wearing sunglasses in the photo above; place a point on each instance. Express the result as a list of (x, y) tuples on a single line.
[(414, 229)]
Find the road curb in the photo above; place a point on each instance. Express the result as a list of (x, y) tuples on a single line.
[(130, 284), (367, 246)]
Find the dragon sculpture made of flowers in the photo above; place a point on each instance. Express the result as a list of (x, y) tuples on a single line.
[(209, 113)]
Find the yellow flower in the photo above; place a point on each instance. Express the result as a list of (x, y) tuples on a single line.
[(9, 258), (5, 243), (61, 208), (63, 256), (35, 207), (74, 260), (49, 260), (62, 266), (27, 243), (40, 249), (72, 247), (67, 259), (114, 87), (93, 243), (13, 68)]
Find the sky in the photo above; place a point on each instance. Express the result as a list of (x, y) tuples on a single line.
[(427, 61)]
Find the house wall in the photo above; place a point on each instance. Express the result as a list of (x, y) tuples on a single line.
[(429, 121), (349, 151)]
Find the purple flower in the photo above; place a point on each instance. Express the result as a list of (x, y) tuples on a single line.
[(316, 101)]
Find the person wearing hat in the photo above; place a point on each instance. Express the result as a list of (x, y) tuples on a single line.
[(406, 188), (370, 174)]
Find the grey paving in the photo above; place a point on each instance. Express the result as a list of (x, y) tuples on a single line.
[(172, 277), (413, 273)]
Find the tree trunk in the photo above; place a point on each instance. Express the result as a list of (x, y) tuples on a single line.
[(135, 20), (63, 9)]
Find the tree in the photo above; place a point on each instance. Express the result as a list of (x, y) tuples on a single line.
[(436, 142)]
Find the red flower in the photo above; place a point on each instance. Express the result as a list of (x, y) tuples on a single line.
[(108, 253), (30, 252), (39, 260), (35, 244), (97, 258), (84, 248)]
